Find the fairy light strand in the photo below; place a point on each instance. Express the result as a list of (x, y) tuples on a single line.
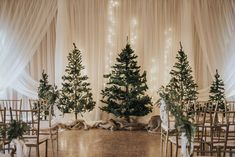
[(167, 48), (111, 33), (133, 31)]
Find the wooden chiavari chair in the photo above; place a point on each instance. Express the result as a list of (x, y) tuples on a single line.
[(167, 127), (230, 105), (215, 137), (230, 119), (31, 137), (47, 126), (13, 104), (197, 118), (4, 143)]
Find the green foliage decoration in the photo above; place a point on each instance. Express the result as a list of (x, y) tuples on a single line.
[(183, 122), (16, 129)]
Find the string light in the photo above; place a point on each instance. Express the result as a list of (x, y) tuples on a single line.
[(133, 31), (111, 33), (168, 45)]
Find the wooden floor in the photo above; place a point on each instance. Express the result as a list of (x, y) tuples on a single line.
[(104, 143)]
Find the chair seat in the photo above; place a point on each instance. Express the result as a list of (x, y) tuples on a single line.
[(169, 128), (5, 155), (204, 156), (44, 126), (218, 144), (215, 140), (231, 128), (6, 142), (32, 142), (231, 143), (172, 139)]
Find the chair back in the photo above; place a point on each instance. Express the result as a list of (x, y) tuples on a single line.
[(2, 127), (230, 119), (230, 105), (216, 137), (45, 108), (30, 117), (13, 104)]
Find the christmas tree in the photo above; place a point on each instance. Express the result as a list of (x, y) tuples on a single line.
[(182, 81), (180, 93), (217, 93), (44, 87), (126, 87), (75, 95), (47, 93)]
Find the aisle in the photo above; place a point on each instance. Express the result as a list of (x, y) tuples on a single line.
[(103, 143)]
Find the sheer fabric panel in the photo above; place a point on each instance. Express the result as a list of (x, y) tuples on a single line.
[(23, 25)]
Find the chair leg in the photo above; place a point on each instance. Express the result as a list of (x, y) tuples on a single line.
[(218, 152), (161, 145), (57, 143), (52, 146), (176, 151), (166, 144), (37, 151), (170, 149), (29, 151), (46, 148), (57, 140)]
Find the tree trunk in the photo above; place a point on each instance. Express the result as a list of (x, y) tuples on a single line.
[(127, 118), (76, 116)]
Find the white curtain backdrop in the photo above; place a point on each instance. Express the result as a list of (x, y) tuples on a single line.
[(23, 25), (100, 30), (44, 57), (43, 35), (215, 24)]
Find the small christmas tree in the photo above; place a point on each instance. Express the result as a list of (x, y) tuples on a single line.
[(44, 87), (126, 87), (217, 93), (47, 93), (75, 95), (182, 81)]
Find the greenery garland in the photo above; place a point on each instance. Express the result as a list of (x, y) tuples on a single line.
[(183, 123), (16, 129)]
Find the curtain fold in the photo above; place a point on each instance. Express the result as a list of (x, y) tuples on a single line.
[(23, 25), (214, 23)]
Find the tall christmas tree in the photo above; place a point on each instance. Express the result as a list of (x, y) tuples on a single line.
[(125, 92), (182, 81), (75, 95), (217, 93), (181, 91)]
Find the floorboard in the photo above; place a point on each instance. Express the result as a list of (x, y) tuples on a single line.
[(105, 143)]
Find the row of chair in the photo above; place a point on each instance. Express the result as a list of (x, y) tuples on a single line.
[(41, 128), (214, 132)]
